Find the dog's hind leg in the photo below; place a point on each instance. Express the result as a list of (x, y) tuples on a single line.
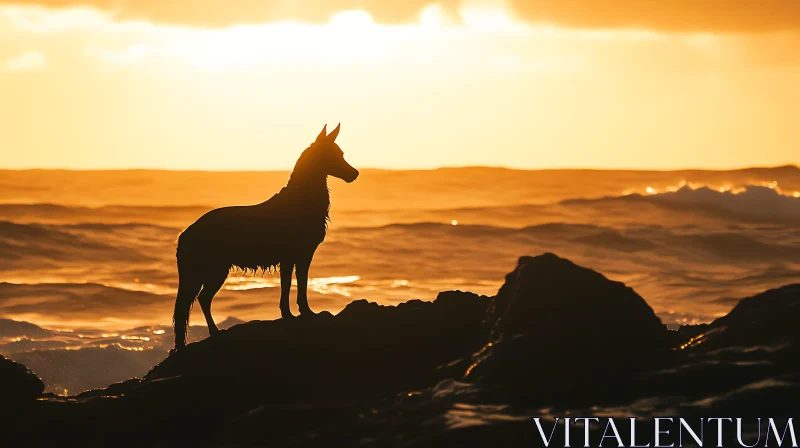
[(214, 281), (188, 287)]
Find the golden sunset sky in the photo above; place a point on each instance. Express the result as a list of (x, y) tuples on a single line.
[(226, 85)]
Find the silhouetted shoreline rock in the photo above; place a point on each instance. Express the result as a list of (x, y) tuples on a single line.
[(366, 351), (464, 369), (768, 319), (18, 383), (551, 312)]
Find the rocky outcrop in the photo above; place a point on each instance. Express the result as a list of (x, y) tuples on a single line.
[(554, 322), (18, 383), (463, 370), (366, 351), (753, 351), (771, 318)]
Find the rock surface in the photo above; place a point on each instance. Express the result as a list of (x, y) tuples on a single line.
[(463, 370), (18, 383), (771, 318), (559, 323), (366, 351)]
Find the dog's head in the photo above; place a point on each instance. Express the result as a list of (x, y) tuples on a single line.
[(329, 158)]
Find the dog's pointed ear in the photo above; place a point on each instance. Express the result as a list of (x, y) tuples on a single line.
[(322, 134), (334, 133)]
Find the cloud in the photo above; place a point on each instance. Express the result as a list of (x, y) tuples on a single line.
[(130, 55), (219, 13), (30, 61), (672, 15)]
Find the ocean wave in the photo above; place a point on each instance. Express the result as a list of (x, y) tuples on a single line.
[(653, 242), (683, 204), (751, 203), (34, 245), (760, 202), (143, 254), (48, 213), (80, 304), (615, 240)]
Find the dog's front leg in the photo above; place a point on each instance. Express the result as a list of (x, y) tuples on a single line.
[(302, 284), (286, 287)]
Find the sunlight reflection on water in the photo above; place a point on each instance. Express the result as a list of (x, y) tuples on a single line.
[(464, 415), (322, 285)]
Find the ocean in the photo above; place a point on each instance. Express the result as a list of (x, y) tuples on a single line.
[(87, 258)]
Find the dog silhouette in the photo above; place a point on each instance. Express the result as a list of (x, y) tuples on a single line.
[(281, 233)]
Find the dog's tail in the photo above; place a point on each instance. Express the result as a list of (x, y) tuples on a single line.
[(188, 288)]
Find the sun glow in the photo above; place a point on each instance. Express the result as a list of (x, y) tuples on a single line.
[(166, 83), (350, 20), (486, 18), (349, 36)]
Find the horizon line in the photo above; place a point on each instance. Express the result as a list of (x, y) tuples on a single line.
[(444, 167)]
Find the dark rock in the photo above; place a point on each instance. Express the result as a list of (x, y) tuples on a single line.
[(554, 322), (114, 390), (366, 351), (752, 351), (768, 319), (18, 383), (464, 370), (551, 320)]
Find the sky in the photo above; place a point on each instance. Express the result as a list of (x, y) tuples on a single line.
[(248, 84)]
